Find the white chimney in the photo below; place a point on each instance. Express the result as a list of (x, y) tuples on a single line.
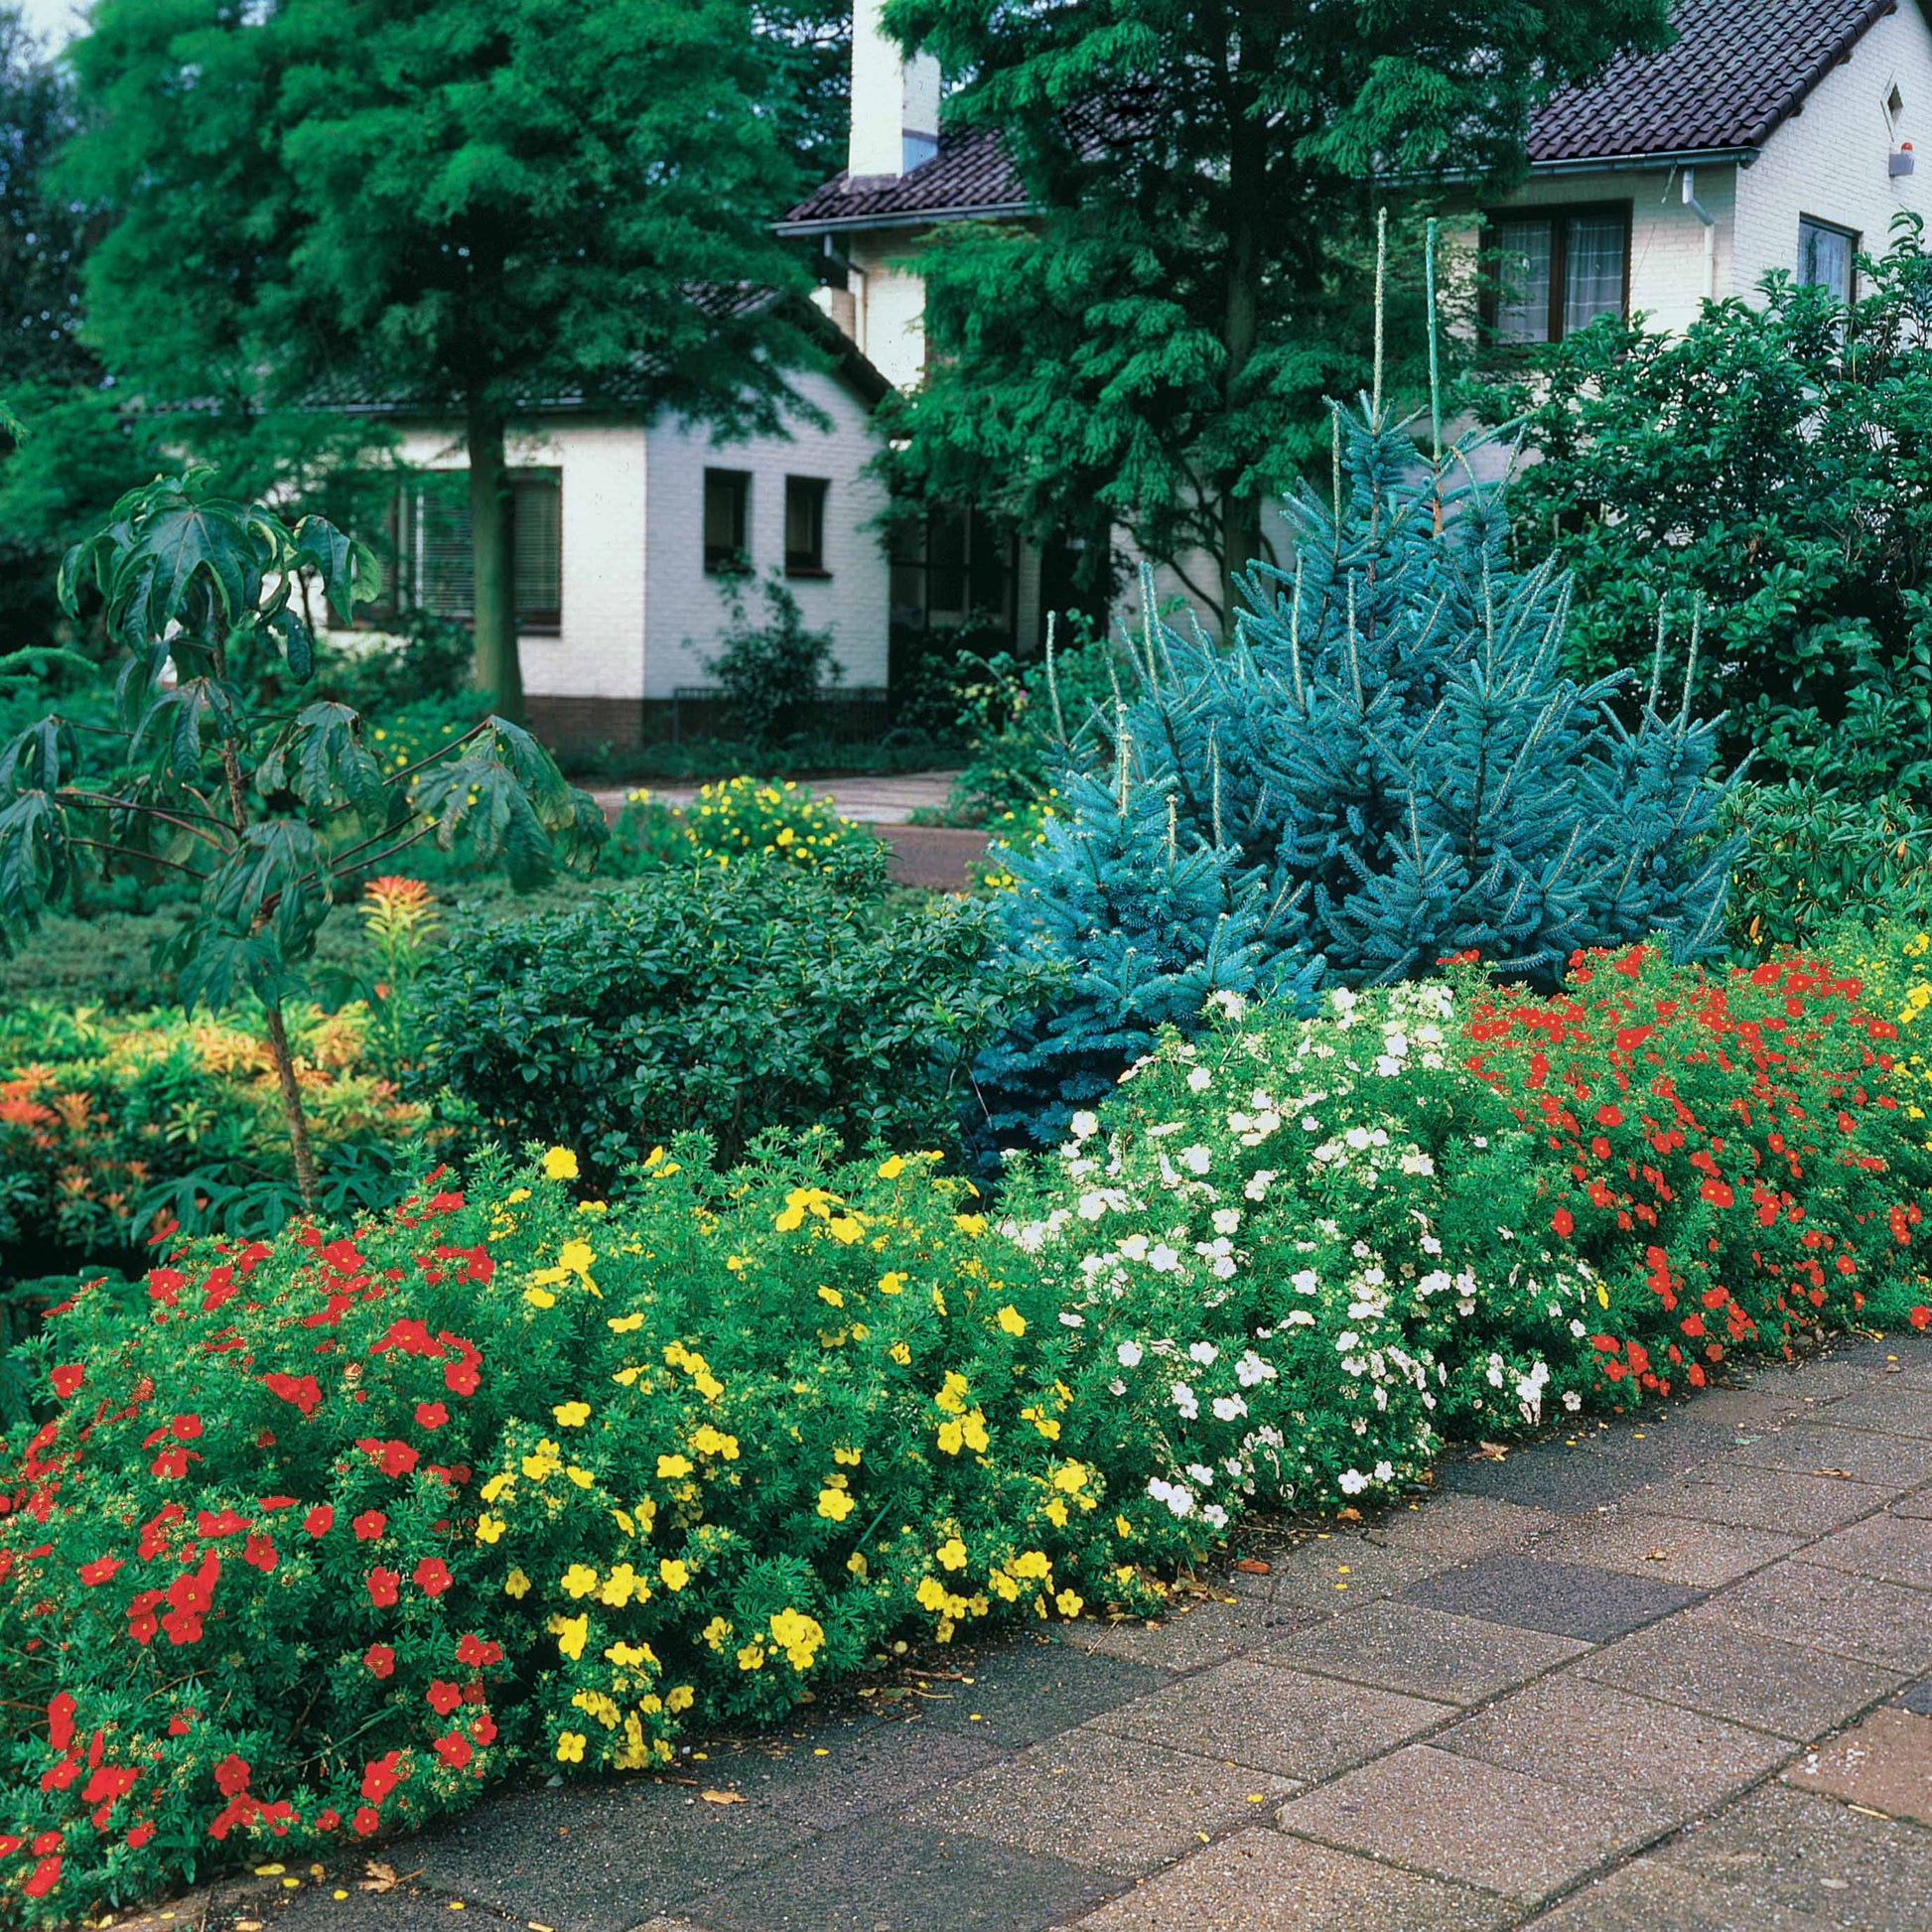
[(895, 100)]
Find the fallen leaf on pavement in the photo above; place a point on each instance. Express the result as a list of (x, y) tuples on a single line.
[(1492, 1451), (1254, 1567), (722, 1797)]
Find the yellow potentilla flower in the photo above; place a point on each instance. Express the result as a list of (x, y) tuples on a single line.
[(516, 1584), (952, 1554), (670, 1467), (582, 1478), (516, 1195), (1070, 1476), (856, 1564), (569, 1747), (490, 1528), (680, 1697), (835, 1505), (579, 1580), (540, 1466), (1032, 1562), (673, 1571), (891, 1282), (851, 1457), (892, 1168), (539, 1298), (624, 1325), (1012, 1320), (576, 1257), (497, 1484), (952, 1396), (571, 1632), (712, 1441), (572, 1415), (717, 1633), (845, 1228), (629, 1655), (750, 1657), (1068, 1603), (560, 1164), (831, 1297), (621, 1585), (973, 1225), (901, 1354)]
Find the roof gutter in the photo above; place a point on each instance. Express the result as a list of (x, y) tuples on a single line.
[(1612, 163), (910, 218)]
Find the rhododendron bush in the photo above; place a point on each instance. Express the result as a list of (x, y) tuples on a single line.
[(356, 1520)]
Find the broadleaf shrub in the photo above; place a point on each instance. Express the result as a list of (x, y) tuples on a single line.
[(730, 999), (736, 818)]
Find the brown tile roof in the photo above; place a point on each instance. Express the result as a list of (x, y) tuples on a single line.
[(1734, 72)]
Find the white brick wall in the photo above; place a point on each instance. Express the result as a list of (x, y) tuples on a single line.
[(686, 611), (891, 303), (1830, 161)]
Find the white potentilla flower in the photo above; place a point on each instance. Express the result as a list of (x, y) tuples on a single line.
[(1084, 1126), (1239, 1122), (1234, 1465), (1344, 999), (1080, 1166), (1310, 1124), (1572, 1400), (1381, 1396), (1069, 1320), (1378, 1137), (1196, 1159), (1259, 1183), (1177, 1497), (1327, 1154), (1414, 1162), (1387, 1065), (1225, 1268), (1493, 1374), (1228, 1408), (1385, 1472), (1374, 1277), (1162, 1132), (1162, 1260), (1214, 1513), (1433, 1283), (1201, 1475), (1251, 1369), (1351, 1482), (1479, 1140), (1203, 1353), (1396, 1043), (1029, 1239), (1133, 1246), (1091, 1265), (1429, 1245), (1226, 1219), (1357, 1138), (1116, 1387), (1305, 1282), (1093, 1204), (1199, 1079), (1228, 1000), (1128, 1354), (1346, 1340), (1578, 1330), (1184, 1400), (1298, 1319)]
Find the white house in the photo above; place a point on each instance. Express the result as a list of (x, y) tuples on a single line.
[(630, 536), (1771, 134)]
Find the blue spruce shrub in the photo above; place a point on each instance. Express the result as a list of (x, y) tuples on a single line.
[(1386, 766)]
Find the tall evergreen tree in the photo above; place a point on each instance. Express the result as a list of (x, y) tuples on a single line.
[(468, 204), (1155, 345)]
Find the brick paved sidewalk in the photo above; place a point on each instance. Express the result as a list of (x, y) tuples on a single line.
[(1671, 1675)]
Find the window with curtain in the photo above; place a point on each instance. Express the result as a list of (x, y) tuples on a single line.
[(435, 569), (1556, 271), (727, 520), (1827, 255), (805, 527)]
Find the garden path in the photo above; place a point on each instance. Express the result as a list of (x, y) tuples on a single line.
[(1671, 1674)]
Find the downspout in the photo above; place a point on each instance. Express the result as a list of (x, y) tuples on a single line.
[(1710, 221)]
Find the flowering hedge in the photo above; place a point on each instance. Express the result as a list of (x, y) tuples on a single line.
[(358, 1518)]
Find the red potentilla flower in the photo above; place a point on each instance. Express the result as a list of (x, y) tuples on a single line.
[(46, 1844), (100, 1570), (394, 1458), (1564, 1222), (381, 1659), (164, 1284), (232, 1775), (369, 1525), (484, 1730), (1920, 1318), (431, 1415), (260, 1552), (42, 1878), (184, 1428), (213, 1523), (302, 1390), (454, 1749), (433, 1576), (443, 1696), (60, 1720), (140, 1834), (319, 1520), (382, 1587), (478, 1652), (366, 1821), (329, 1821), (180, 1727), (381, 1775), (68, 1378)]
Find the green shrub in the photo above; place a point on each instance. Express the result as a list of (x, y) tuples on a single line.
[(1814, 858), (726, 998), (770, 673), (112, 1125), (736, 818)]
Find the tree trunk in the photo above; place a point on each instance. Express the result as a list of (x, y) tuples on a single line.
[(278, 1052), (499, 670), (1247, 186)]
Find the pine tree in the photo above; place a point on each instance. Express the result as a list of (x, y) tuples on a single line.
[(1385, 767)]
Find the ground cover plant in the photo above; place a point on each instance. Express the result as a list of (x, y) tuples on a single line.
[(736, 818)]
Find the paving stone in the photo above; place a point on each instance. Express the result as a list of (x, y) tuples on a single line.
[(1761, 1499), (1328, 1574), (1402, 1646), (1209, 1633), (1572, 1730), (888, 1873), (1247, 1712), (1707, 1666), (1918, 1503), (1672, 1442), (1917, 1697), (1743, 1408), (1673, 1548), (316, 1908), (1889, 1463), (1459, 1526), (1030, 1689), (877, 1768), (1116, 1804), (1266, 1881), (1884, 1762), (1776, 1861), (1844, 1372), (1854, 1616), (1551, 1476), (1897, 1549), (600, 1857), (1566, 1600), (1893, 1410), (1456, 1817)]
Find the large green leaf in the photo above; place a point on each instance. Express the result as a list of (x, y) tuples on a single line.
[(34, 863), (321, 761)]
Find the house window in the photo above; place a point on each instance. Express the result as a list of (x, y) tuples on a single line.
[(1557, 272), (805, 527), (1827, 255), (949, 567), (435, 562), (727, 520)]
